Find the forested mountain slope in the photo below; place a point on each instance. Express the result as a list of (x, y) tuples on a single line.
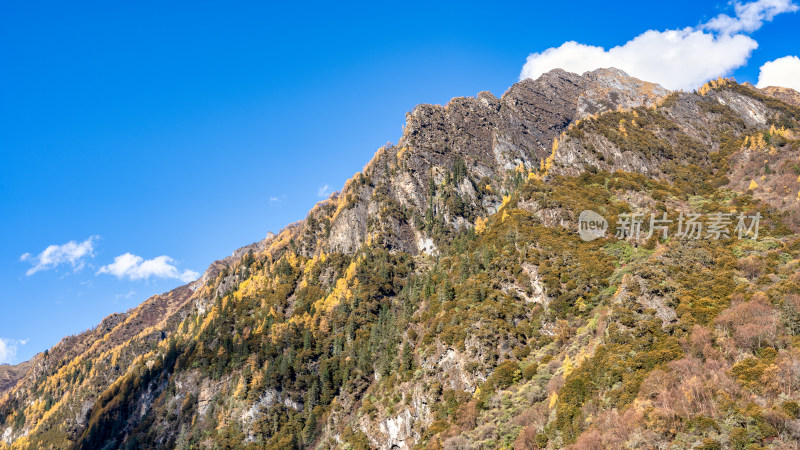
[(445, 299)]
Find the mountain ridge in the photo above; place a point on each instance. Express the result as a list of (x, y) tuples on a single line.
[(455, 167)]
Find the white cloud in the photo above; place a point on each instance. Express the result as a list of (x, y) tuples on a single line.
[(73, 253), (135, 267), (783, 72), (676, 59), (8, 350), (324, 191), (749, 16)]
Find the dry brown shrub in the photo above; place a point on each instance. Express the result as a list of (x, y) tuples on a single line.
[(700, 342), (467, 415), (787, 375), (526, 440), (752, 324), (533, 416), (589, 440), (751, 266), (688, 387)]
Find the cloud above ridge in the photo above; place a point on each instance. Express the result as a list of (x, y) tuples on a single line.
[(677, 59), (134, 267), (783, 72)]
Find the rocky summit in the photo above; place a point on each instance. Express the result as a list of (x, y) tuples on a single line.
[(446, 299)]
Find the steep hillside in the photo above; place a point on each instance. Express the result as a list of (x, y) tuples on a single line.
[(10, 375), (784, 94), (445, 299)]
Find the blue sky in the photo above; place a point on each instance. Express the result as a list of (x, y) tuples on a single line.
[(157, 138)]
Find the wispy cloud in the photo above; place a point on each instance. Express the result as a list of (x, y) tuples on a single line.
[(677, 59), (134, 267), (277, 200), (73, 253), (749, 16), (128, 295), (324, 191), (8, 350)]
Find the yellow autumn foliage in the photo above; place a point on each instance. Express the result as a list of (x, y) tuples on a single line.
[(553, 400), (480, 224), (713, 84)]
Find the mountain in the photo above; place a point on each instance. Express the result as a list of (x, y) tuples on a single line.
[(785, 94), (445, 298), (9, 375)]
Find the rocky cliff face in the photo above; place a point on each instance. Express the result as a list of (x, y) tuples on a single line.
[(485, 137), (443, 283)]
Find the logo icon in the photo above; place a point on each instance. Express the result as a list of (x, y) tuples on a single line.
[(591, 225)]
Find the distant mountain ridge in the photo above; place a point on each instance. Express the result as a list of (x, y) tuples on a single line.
[(10, 374)]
